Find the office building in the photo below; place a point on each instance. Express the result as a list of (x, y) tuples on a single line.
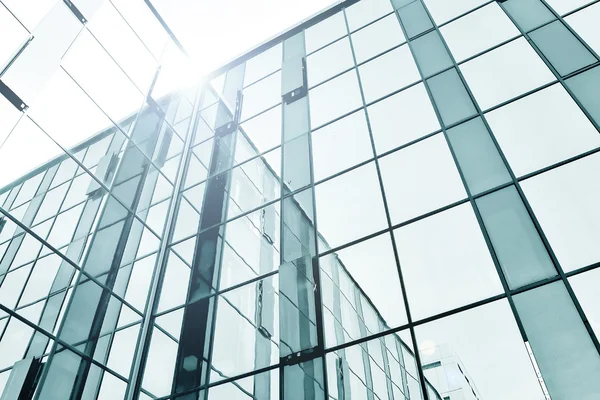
[(385, 194)]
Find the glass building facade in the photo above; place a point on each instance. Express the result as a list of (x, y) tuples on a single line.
[(393, 200)]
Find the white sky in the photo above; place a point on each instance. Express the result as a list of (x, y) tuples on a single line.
[(215, 32)]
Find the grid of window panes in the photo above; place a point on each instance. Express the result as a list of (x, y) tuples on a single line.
[(91, 140), (396, 202)]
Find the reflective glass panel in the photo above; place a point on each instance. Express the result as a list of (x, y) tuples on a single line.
[(493, 81), (565, 202), (560, 342), (402, 118), (477, 156), (517, 244), (478, 31), (377, 37), (341, 221), (341, 145), (420, 179), (542, 129), (431, 54), (445, 262), (388, 72), (566, 53)]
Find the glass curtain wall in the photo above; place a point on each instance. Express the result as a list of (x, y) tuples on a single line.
[(395, 200)]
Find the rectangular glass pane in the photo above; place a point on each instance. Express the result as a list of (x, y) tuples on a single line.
[(415, 19), (451, 97), (566, 53), (585, 86), (477, 156), (562, 347), (431, 54), (528, 14), (520, 250)]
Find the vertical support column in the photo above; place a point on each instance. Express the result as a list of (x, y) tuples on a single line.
[(195, 346), (301, 331)]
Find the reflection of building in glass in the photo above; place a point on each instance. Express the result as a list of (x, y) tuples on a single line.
[(447, 374), (367, 184)]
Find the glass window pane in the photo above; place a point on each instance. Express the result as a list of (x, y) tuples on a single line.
[(30, 13), (67, 114), (36, 64), (566, 53), (13, 36), (365, 11), (420, 179), (520, 250), (451, 97), (325, 32), (560, 342), (388, 72), (327, 62), (162, 355), (334, 98), (442, 10), (341, 145), (264, 130), (454, 363), (585, 86), (263, 64), (377, 37), (528, 14), (19, 142), (121, 42), (377, 368), (263, 386), (431, 54), (402, 118), (338, 218), (415, 18), (477, 156), (304, 380), (445, 262), (246, 329), (478, 31), (261, 96), (585, 286), (584, 24), (492, 80), (371, 265), (10, 117), (565, 201), (542, 129), (14, 342), (564, 6), (144, 23), (175, 283)]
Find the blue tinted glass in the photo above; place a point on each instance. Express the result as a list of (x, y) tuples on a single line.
[(564, 352), (400, 3), (586, 87), (528, 14), (431, 54), (566, 53), (520, 250), (477, 156), (451, 97), (415, 19)]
